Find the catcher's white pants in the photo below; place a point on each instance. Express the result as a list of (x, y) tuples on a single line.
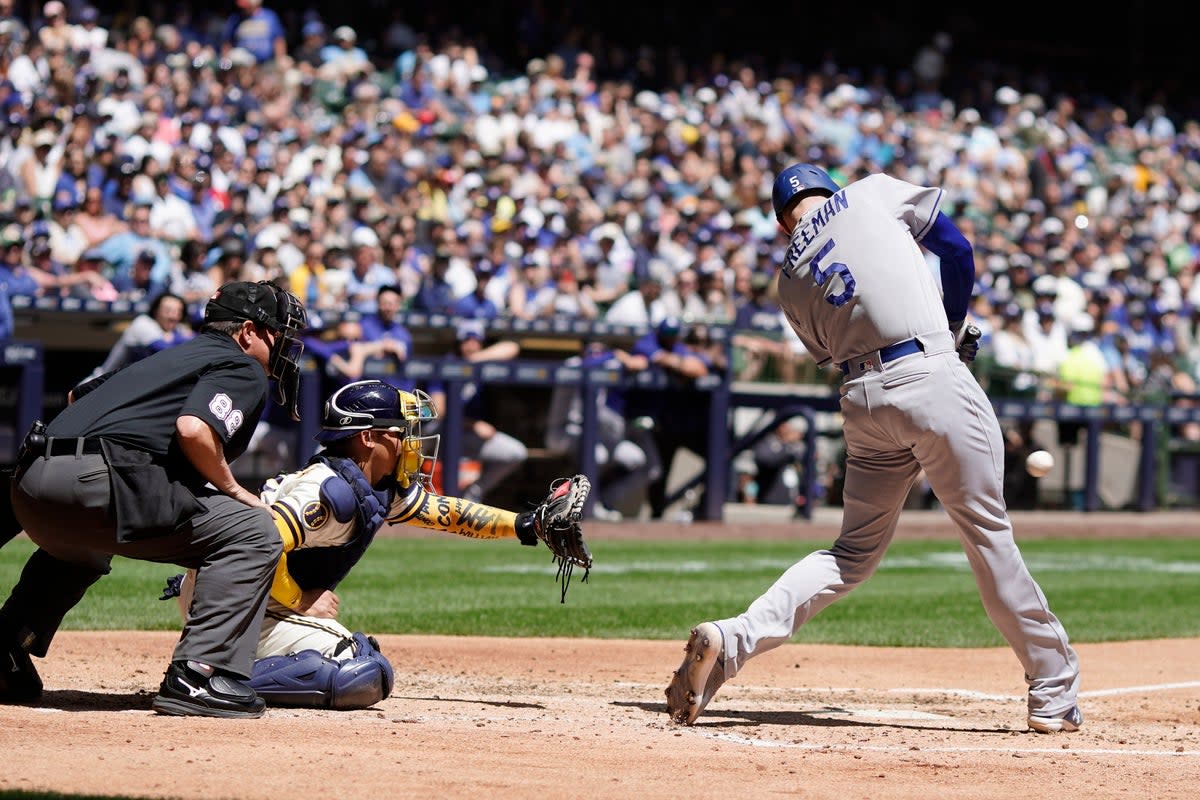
[(922, 412), (284, 631)]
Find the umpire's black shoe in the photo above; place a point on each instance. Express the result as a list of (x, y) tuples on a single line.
[(19, 681), (191, 689)]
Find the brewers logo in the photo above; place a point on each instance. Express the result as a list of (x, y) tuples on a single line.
[(315, 515)]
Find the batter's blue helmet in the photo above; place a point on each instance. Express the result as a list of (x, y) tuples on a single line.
[(796, 181)]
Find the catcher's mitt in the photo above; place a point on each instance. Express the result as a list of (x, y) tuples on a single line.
[(557, 523)]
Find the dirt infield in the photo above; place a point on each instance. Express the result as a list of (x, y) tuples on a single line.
[(559, 718)]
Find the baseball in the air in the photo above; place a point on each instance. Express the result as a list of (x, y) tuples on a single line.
[(1038, 463)]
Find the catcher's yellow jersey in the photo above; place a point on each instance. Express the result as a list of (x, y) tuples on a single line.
[(311, 512)]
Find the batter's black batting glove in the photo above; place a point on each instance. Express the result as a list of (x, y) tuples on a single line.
[(966, 341)]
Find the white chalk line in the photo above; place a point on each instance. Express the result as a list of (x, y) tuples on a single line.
[(952, 561), (968, 694), (876, 748)]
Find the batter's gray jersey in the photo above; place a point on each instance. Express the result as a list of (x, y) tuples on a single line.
[(854, 278)]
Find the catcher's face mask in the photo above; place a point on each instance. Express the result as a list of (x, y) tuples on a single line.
[(418, 453)]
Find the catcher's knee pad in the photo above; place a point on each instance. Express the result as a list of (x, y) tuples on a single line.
[(310, 680)]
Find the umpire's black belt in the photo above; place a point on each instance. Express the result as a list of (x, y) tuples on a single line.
[(71, 446), (886, 354)]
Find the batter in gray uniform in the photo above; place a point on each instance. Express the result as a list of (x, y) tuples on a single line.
[(858, 292)]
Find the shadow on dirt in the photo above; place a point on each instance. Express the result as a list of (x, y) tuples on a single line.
[(733, 718), (74, 700), (472, 700)]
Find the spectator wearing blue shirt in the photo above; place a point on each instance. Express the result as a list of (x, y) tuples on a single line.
[(384, 325), (344, 54), (16, 278), (256, 30), (477, 304), (6, 314), (436, 295), (122, 251), (367, 275), (118, 189)]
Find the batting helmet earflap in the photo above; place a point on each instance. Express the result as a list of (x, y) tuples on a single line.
[(796, 181)]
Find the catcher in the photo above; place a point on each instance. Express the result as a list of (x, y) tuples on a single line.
[(374, 469)]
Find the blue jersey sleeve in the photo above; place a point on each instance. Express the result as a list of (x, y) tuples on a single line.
[(958, 265)]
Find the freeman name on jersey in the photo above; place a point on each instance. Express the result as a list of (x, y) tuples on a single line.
[(806, 232)]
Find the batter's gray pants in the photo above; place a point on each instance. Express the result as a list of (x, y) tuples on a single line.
[(63, 504), (925, 411)]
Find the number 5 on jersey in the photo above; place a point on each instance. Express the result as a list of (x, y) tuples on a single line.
[(821, 274)]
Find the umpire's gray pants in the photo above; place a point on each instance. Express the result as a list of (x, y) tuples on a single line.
[(63, 504)]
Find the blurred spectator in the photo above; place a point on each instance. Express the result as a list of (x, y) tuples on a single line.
[(497, 453), (755, 306), (683, 298), (367, 274), (436, 293), (161, 326), (1010, 356), (196, 281), (307, 281), (6, 313), (28, 71), (569, 298), (256, 30), (774, 473), (41, 171), (312, 41), (642, 307), (343, 356), (122, 251), (1020, 488), (477, 303), (623, 467), (171, 216), (55, 35), (383, 325), (87, 35), (96, 223), (677, 415), (532, 293), (343, 56)]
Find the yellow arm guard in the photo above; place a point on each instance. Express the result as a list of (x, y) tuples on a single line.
[(456, 515), (284, 588)]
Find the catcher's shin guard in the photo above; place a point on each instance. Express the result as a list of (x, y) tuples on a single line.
[(308, 679)]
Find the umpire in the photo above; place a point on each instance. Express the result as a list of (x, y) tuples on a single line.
[(129, 468)]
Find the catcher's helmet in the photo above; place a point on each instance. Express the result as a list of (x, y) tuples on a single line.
[(796, 181), (376, 405)]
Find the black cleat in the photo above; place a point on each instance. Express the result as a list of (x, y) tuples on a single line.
[(19, 680), (190, 689)]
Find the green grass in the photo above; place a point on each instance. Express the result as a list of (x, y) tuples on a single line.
[(923, 594)]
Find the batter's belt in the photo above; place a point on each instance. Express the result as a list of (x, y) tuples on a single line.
[(932, 343), (867, 361)]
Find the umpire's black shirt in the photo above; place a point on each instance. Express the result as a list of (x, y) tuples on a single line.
[(209, 377)]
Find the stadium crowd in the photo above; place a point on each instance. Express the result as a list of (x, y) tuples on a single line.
[(143, 155)]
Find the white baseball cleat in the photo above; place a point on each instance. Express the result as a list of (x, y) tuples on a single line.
[(699, 676), (1067, 722)]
